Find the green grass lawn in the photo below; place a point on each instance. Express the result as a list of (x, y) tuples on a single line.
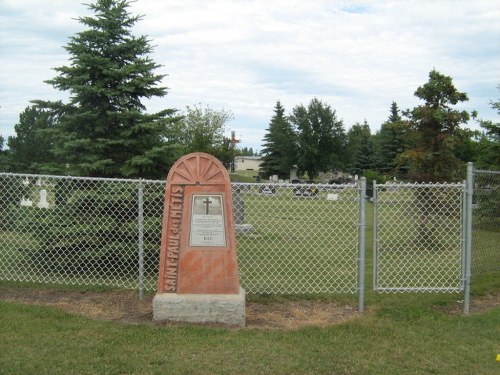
[(401, 334), (408, 333)]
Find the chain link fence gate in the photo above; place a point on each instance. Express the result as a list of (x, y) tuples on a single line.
[(419, 237), (486, 222), (90, 231)]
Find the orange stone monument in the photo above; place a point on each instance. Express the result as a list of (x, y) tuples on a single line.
[(198, 275)]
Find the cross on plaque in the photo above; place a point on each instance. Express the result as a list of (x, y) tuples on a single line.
[(207, 202)]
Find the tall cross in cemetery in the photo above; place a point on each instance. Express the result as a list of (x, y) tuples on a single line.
[(207, 202)]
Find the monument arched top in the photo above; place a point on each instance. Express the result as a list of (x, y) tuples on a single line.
[(198, 168)]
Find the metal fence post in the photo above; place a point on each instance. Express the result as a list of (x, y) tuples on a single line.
[(140, 219), (362, 245), (375, 235), (468, 236), (464, 236)]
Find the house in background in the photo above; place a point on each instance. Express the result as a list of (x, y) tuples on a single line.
[(247, 163)]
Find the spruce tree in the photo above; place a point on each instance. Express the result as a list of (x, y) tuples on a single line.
[(360, 146), (31, 148), (279, 147), (104, 129), (434, 126), (391, 140)]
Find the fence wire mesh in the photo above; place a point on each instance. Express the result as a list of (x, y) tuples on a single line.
[(77, 230), (486, 222), (85, 231), (297, 238), (418, 237)]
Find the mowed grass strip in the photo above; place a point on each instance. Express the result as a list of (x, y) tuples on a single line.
[(403, 339)]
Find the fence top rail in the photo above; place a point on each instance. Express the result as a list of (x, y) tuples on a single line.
[(290, 185), (423, 184), (2, 174), (484, 171)]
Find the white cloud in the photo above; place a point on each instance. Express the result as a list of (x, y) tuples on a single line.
[(244, 55)]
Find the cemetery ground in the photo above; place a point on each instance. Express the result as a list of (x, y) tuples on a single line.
[(63, 330), (91, 330)]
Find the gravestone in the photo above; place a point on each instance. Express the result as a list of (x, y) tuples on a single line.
[(26, 202), (239, 207), (294, 173), (43, 199), (198, 276), (239, 214)]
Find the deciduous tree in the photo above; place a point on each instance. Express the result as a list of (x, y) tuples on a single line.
[(321, 138), (203, 129)]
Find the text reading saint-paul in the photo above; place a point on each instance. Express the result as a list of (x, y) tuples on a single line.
[(174, 237)]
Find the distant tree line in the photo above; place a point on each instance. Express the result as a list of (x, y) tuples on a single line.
[(426, 143)]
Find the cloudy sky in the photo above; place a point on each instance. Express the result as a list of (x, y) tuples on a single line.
[(244, 55)]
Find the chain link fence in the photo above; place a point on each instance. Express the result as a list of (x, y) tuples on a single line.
[(419, 237), (291, 238), (89, 231), (82, 231), (486, 222), (297, 238)]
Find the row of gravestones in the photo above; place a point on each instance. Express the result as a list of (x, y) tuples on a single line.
[(238, 204), (42, 203)]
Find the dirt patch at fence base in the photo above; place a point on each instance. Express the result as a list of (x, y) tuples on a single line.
[(477, 305), (126, 307)]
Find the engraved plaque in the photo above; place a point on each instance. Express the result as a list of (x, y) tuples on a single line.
[(207, 221)]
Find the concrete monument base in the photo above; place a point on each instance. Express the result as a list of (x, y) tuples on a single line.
[(200, 308)]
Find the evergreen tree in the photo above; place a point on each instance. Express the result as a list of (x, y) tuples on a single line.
[(104, 130), (391, 140), (4, 162), (360, 146), (434, 126), (31, 147), (394, 116), (245, 151), (279, 147), (321, 138), (490, 158)]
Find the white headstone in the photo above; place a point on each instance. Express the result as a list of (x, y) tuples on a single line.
[(26, 202), (293, 173), (275, 178), (332, 197), (43, 199), (356, 178)]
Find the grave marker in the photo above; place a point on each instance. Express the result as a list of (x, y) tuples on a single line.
[(198, 276), (43, 199)]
